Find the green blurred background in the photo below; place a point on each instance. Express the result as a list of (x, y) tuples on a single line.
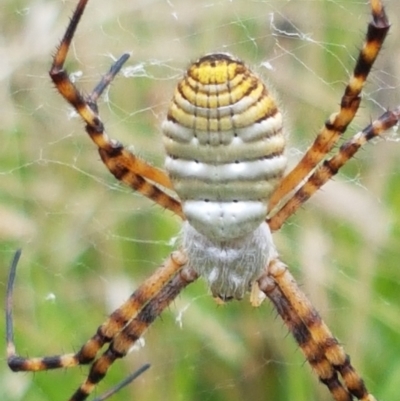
[(88, 241)]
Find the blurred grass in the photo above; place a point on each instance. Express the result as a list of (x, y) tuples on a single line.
[(87, 241)]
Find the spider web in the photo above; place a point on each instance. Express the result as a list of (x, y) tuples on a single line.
[(88, 241)]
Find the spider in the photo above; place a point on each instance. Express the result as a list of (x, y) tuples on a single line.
[(225, 178)]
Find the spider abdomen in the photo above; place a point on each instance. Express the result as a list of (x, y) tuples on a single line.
[(224, 142)]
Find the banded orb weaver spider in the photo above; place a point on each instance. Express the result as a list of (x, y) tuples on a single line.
[(235, 204)]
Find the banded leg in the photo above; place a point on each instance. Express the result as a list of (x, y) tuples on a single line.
[(314, 354), (124, 165), (331, 166), (105, 333), (318, 345), (337, 123), (126, 338)]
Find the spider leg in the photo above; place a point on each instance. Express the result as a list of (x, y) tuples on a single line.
[(123, 383), (131, 162), (124, 165), (122, 343), (9, 316), (337, 123), (322, 350), (330, 167), (314, 354), (105, 333)]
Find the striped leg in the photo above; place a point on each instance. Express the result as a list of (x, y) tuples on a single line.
[(330, 167), (337, 123), (116, 322), (124, 165), (126, 338), (322, 350)]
